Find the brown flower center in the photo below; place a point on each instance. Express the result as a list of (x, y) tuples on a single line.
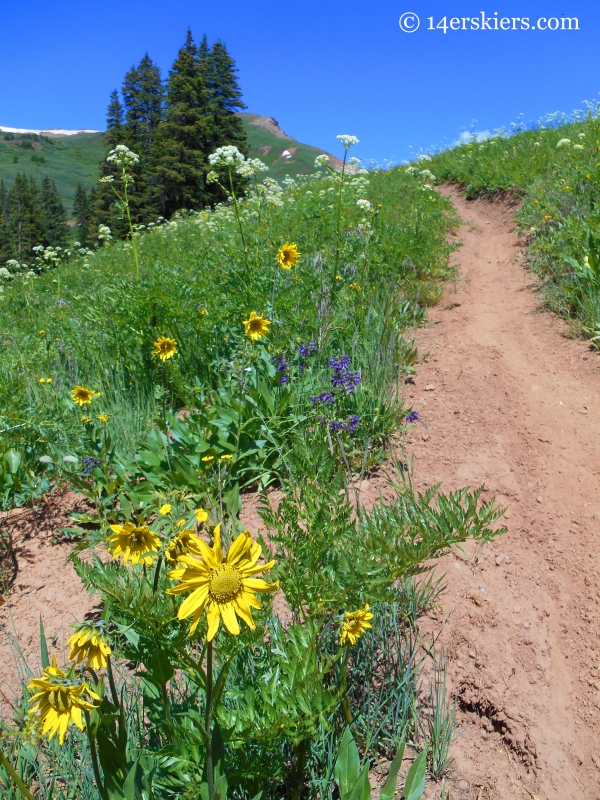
[(225, 584)]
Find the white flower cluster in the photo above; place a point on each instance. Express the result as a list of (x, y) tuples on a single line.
[(122, 156), (354, 162), (321, 161), (104, 233), (428, 175), (423, 157), (5, 274), (563, 142), (364, 205), (230, 156), (578, 147), (346, 140), (250, 167), (47, 257)]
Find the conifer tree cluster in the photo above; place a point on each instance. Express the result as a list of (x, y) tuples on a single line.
[(30, 214), (173, 128)]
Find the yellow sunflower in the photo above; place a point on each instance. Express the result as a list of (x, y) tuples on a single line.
[(226, 587), (256, 327), (288, 255), (201, 515), (82, 396), (165, 509), (60, 700), (133, 542), (355, 624), (165, 348), (89, 642), (102, 417), (181, 545)]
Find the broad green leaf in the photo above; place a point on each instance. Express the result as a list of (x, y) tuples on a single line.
[(13, 459), (415, 780), (347, 763), (388, 790), (43, 646)]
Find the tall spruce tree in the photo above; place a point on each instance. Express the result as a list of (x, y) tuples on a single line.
[(56, 233), (25, 217), (225, 99), (181, 141), (115, 120), (7, 244), (82, 211)]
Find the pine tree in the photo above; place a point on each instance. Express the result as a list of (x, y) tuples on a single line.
[(143, 97), (7, 245), (181, 140), (82, 211), (225, 100), (25, 217), (56, 233), (114, 121)]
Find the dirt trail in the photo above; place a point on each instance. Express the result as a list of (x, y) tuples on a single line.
[(511, 402)]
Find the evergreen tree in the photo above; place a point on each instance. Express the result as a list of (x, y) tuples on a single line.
[(181, 140), (25, 217), (114, 121), (7, 245), (225, 100), (143, 97), (82, 211), (56, 233)]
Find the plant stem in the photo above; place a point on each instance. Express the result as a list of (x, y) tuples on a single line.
[(339, 214), (18, 782), (111, 682), (346, 702), (94, 755), (239, 222), (210, 769), (135, 255), (157, 574)]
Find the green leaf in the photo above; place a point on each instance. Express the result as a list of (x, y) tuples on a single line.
[(347, 763), (13, 459), (160, 670), (415, 780), (43, 646), (388, 790)]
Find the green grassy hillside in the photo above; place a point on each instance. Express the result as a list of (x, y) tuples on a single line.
[(70, 160)]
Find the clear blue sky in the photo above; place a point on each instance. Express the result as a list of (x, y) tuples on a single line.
[(320, 68)]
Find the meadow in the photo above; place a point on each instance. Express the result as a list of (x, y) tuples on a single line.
[(553, 168), (176, 376)]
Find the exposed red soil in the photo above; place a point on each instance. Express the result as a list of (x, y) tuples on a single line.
[(510, 401)]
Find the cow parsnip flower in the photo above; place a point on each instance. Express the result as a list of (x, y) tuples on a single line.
[(288, 255), (347, 140), (355, 624), (82, 396), (89, 643), (225, 587), (165, 348), (59, 700), (133, 542), (256, 327)]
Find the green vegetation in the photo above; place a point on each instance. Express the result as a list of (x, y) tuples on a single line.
[(555, 170), (265, 342)]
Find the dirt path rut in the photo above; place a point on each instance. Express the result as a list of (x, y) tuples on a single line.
[(511, 402)]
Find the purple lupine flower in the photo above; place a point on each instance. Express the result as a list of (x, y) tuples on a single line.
[(284, 379), (307, 350), (89, 463), (413, 416), (327, 397), (338, 380), (313, 398), (335, 425), (353, 423), (340, 364), (280, 362)]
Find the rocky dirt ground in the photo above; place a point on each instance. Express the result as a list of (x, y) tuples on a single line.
[(509, 400)]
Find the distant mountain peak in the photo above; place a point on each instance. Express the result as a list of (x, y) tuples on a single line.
[(47, 131)]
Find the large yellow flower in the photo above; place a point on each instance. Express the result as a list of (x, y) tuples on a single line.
[(227, 586), (89, 642), (165, 348), (287, 255), (82, 396), (256, 327), (355, 624), (60, 701), (133, 542), (180, 546)]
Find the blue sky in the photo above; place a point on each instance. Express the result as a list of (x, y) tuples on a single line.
[(319, 68)]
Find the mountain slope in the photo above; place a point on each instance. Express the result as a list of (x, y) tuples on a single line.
[(71, 158)]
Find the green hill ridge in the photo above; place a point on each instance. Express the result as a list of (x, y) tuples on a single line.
[(72, 159)]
